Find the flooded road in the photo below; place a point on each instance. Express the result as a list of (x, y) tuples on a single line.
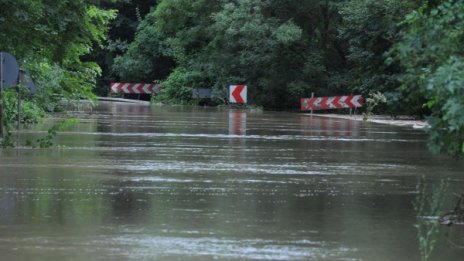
[(133, 182)]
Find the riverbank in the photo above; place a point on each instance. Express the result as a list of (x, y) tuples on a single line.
[(381, 119)]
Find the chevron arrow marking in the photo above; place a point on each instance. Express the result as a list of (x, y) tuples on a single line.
[(238, 94), (348, 102), (334, 102), (317, 103), (134, 88), (304, 106), (357, 101), (341, 102), (330, 101)]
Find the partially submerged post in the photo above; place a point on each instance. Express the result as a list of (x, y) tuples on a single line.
[(456, 216), (312, 97), (18, 124), (351, 109), (9, 70), (12, 76)]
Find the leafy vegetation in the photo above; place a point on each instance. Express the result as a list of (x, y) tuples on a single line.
[(372, 101), (432, 58), (371, 28), (54, 36), (271, 45), (47, 140), (406, 51), (120, 35), (49, 39), (429, 203)]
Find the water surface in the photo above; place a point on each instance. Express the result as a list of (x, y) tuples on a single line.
[(133, 182)]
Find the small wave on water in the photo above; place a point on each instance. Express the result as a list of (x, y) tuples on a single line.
[(248, 137), (152, 247)]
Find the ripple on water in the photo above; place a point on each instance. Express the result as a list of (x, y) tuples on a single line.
[(248, 137), (191, 246), (238, 249)]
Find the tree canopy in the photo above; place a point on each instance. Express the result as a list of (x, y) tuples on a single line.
[(408, 51), (432, 57), (50, 38), (284, 49)]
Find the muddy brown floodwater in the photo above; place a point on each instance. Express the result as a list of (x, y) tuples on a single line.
[(133, 182)]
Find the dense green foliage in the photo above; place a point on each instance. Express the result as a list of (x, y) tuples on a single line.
[(49, 38), (283, 49), (430, 201), (432, 56), (370, 28), (406, 51), (121, 33), (146, 58)]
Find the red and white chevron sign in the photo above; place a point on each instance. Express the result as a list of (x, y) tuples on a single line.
[(238, 94), (335, 102), (137, 88)]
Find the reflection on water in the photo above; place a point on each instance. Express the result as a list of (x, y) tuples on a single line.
[(133, 182)]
